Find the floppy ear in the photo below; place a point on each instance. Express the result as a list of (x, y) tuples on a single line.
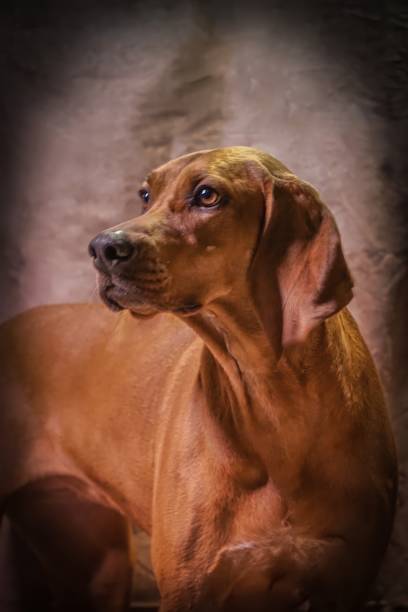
[(299, 275)]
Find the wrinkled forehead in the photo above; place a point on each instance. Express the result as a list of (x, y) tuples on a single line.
[(227, 164)]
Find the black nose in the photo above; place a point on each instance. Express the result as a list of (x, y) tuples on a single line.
[(111, 248)]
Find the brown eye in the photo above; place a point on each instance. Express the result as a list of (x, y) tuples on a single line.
[(206, 196)]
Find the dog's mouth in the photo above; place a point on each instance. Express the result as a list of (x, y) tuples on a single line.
[(107, 296), (118, 298), (122, 297)]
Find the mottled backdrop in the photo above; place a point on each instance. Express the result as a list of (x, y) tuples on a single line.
[(95, 94)]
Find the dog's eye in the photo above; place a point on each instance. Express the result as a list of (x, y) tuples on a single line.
[(206, 196), (145, 196)]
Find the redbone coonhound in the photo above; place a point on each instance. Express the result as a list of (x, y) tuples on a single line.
[(229, 407)]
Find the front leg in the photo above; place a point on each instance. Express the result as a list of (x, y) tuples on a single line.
[(239, 580), (201, 565), (281, 572), (216, 548)]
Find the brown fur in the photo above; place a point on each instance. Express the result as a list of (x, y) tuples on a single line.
[(248, 435)]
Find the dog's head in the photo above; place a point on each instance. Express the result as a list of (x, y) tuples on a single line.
[(219, 220)]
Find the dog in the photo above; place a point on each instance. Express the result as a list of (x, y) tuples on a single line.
[(224, 402)]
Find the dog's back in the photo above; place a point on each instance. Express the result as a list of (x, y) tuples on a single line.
[(59, 363)]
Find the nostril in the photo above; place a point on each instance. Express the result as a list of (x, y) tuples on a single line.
[(110, 249), (110, 253), (119, 250)]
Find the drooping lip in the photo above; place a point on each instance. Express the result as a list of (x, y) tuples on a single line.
[(117, 298), (105, 293), (113, 301), (119, 294)]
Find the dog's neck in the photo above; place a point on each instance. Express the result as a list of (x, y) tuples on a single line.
[(238, 342), (248, 389)]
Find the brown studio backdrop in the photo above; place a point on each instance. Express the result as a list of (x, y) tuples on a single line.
[(95, 95)]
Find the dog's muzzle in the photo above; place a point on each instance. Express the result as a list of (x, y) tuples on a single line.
[(130, 273)]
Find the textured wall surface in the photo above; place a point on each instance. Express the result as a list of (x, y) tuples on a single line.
[(93, 97)]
